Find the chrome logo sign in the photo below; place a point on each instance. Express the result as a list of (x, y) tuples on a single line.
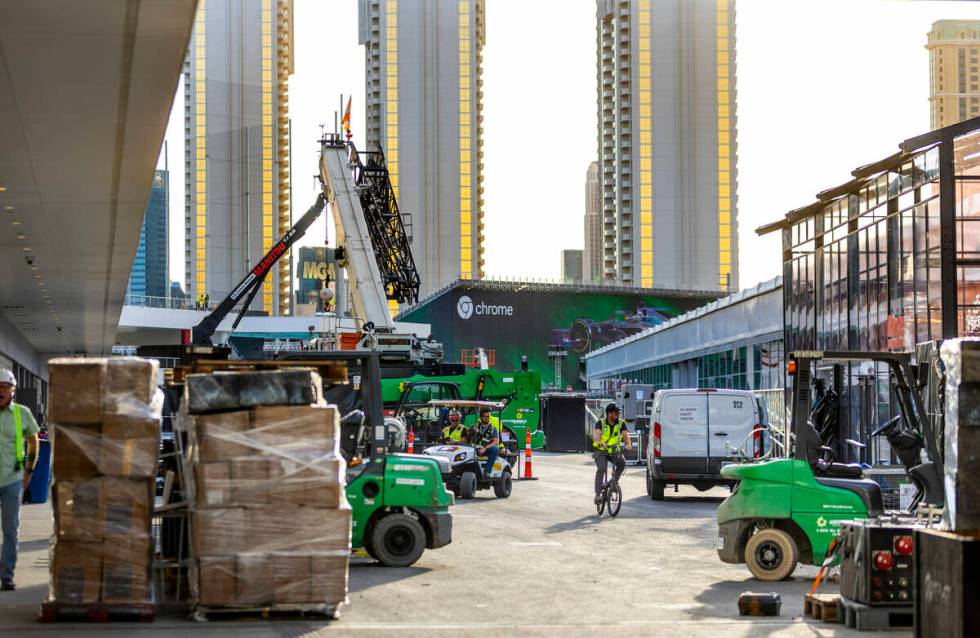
[(464, 307)]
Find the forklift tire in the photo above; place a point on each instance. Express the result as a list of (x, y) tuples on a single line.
[(467, 485), (369, 546), (771, 554), (397, 540), (502, 487)]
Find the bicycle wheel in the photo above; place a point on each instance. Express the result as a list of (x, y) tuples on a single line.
[(601, 505), (615, 499)]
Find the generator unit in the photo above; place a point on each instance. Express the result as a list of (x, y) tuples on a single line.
[(878, 561), (636, 401)]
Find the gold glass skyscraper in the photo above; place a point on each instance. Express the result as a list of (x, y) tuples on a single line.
[(424, 93), (667, 145), (954, 89), (236, 146)]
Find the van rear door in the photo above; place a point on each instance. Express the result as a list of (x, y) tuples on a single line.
[(683, 420), (731, 419)]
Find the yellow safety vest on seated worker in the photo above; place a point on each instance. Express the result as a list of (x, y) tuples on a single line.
[(611, 435), (454, 434)]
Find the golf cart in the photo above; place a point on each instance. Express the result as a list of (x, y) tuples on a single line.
[(465, 475), (787, 511)]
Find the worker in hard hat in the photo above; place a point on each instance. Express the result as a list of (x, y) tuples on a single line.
[(608, 440), (18, 430), (455, 431)]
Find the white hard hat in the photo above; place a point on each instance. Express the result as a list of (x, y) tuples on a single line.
[(6, 376)]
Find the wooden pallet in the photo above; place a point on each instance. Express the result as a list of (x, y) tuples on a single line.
[(823, 607), (56, 611), (268, 612), (331, 371), (868, 618)]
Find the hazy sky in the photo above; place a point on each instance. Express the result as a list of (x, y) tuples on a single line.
[(823, 87)]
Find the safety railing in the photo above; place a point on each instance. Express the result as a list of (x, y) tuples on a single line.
[(779, 418), (168, 303)]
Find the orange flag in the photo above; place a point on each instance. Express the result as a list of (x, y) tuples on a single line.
[(345, 121)]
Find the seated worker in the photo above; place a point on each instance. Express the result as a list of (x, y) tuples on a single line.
[(455, 431), (485, 436)]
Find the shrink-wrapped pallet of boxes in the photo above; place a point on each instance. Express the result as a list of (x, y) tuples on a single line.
[(270, 523), (104, 416)]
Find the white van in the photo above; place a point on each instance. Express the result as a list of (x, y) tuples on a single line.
[(694, 432)]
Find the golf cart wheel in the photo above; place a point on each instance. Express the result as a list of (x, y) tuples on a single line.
[(467, 485), (771, 554), (502, 487), (615, 499), (397, 540)]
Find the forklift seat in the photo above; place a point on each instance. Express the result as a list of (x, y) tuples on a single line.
[(836, 470), (818, 464), (866, 489)]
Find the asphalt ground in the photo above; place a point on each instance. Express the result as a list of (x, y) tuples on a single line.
[(537, 564)]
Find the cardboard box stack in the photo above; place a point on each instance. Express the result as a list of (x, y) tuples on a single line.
[(270, 521), (104, 415)]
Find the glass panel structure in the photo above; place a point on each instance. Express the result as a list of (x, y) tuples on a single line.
[(863, 267), (886, 261)]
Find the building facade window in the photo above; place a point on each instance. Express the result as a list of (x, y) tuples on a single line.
[(726, 369)]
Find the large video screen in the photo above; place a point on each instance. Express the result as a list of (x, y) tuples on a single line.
[(547, 327)]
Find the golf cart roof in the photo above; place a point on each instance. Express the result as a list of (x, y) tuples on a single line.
[(466, 403)]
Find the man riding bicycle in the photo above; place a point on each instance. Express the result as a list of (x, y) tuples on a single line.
[(608, 440)]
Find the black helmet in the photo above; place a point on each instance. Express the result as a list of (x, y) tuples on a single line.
[(612, 407)]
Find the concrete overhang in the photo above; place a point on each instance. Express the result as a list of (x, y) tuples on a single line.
[(86, 90)]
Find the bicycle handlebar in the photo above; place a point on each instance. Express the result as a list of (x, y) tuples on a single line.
[(611, 452)]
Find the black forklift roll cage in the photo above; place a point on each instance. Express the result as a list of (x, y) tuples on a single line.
[(364, 371), (908, 389)]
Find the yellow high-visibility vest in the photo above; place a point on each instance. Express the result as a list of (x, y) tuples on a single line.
[(611, 434)]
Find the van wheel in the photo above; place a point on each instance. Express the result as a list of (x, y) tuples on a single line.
[(657, 489), (467, 485), (771, 554), (649, 483)]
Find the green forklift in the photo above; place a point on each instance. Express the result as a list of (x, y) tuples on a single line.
[(400, 505), (787, 511)]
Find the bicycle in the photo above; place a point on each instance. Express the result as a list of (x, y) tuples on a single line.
[(611, 494)]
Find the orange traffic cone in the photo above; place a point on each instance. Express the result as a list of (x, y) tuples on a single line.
[(528, 476), (411, 440)]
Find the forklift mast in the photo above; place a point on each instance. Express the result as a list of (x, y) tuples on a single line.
[(364, 379), (913, 411)]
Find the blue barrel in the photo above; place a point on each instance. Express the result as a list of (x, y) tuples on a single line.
[(37, 489)]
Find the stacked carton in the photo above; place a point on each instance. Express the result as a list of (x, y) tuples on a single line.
[(105, 419), (270, 520)]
